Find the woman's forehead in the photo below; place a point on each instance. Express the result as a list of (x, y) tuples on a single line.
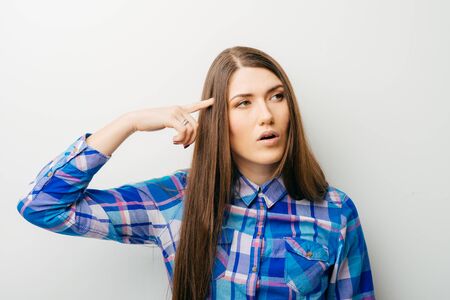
[(255, 81)]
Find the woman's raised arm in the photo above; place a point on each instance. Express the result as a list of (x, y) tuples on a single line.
[(60, 200)]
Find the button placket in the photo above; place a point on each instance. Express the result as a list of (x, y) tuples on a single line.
[(253, 284)]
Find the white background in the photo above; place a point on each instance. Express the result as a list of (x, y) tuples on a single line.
[(372, 80)]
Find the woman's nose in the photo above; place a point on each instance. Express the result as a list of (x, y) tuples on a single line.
[(265, 115)]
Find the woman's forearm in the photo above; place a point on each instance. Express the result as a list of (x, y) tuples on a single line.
[(107, 139)]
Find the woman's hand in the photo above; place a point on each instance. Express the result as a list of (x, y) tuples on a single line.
[(152, 119)]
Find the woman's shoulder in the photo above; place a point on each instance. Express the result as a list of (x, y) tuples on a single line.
[(337, 197)]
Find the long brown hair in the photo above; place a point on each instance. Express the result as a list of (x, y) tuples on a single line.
[(210, 182)]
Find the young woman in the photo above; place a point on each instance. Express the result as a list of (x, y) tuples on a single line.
[(252, 218)]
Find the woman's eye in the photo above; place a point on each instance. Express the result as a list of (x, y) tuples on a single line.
[(245, 101), (280, 96)]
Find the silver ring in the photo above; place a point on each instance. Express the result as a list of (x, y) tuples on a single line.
[(185, 122)]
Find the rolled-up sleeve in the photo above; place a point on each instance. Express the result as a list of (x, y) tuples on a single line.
[(60, 200), (352, 276)]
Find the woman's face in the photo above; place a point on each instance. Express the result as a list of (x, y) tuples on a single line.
[(264, 107)]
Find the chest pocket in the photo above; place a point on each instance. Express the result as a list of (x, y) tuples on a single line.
[(223, 252), (305, 264)]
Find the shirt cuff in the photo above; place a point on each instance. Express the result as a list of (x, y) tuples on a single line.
[(79, 155)]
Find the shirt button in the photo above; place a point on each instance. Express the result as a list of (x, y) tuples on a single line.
[(49, 173), (254, 269)]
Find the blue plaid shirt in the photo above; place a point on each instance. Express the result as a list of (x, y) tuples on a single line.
[(271, 246)]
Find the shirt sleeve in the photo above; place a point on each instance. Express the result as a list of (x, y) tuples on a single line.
[(135, 213), (351, 277)]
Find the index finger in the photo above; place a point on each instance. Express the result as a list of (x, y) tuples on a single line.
[(199, 105)]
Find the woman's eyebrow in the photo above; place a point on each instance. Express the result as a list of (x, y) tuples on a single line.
[(248, 95)]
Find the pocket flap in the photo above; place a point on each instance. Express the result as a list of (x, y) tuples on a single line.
[(308, 249)]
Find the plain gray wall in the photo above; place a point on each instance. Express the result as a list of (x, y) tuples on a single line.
[(372, 82)]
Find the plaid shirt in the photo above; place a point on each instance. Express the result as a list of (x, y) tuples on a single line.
[(271, 246)]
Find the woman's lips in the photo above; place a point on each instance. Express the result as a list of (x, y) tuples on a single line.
[(270, 142)]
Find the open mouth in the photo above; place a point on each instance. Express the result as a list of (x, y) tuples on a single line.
[(268, 137), (269, 140)]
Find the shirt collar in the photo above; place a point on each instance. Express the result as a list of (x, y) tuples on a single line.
[(272, 190)]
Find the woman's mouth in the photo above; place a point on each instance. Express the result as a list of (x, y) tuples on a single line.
[(269, 141)]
